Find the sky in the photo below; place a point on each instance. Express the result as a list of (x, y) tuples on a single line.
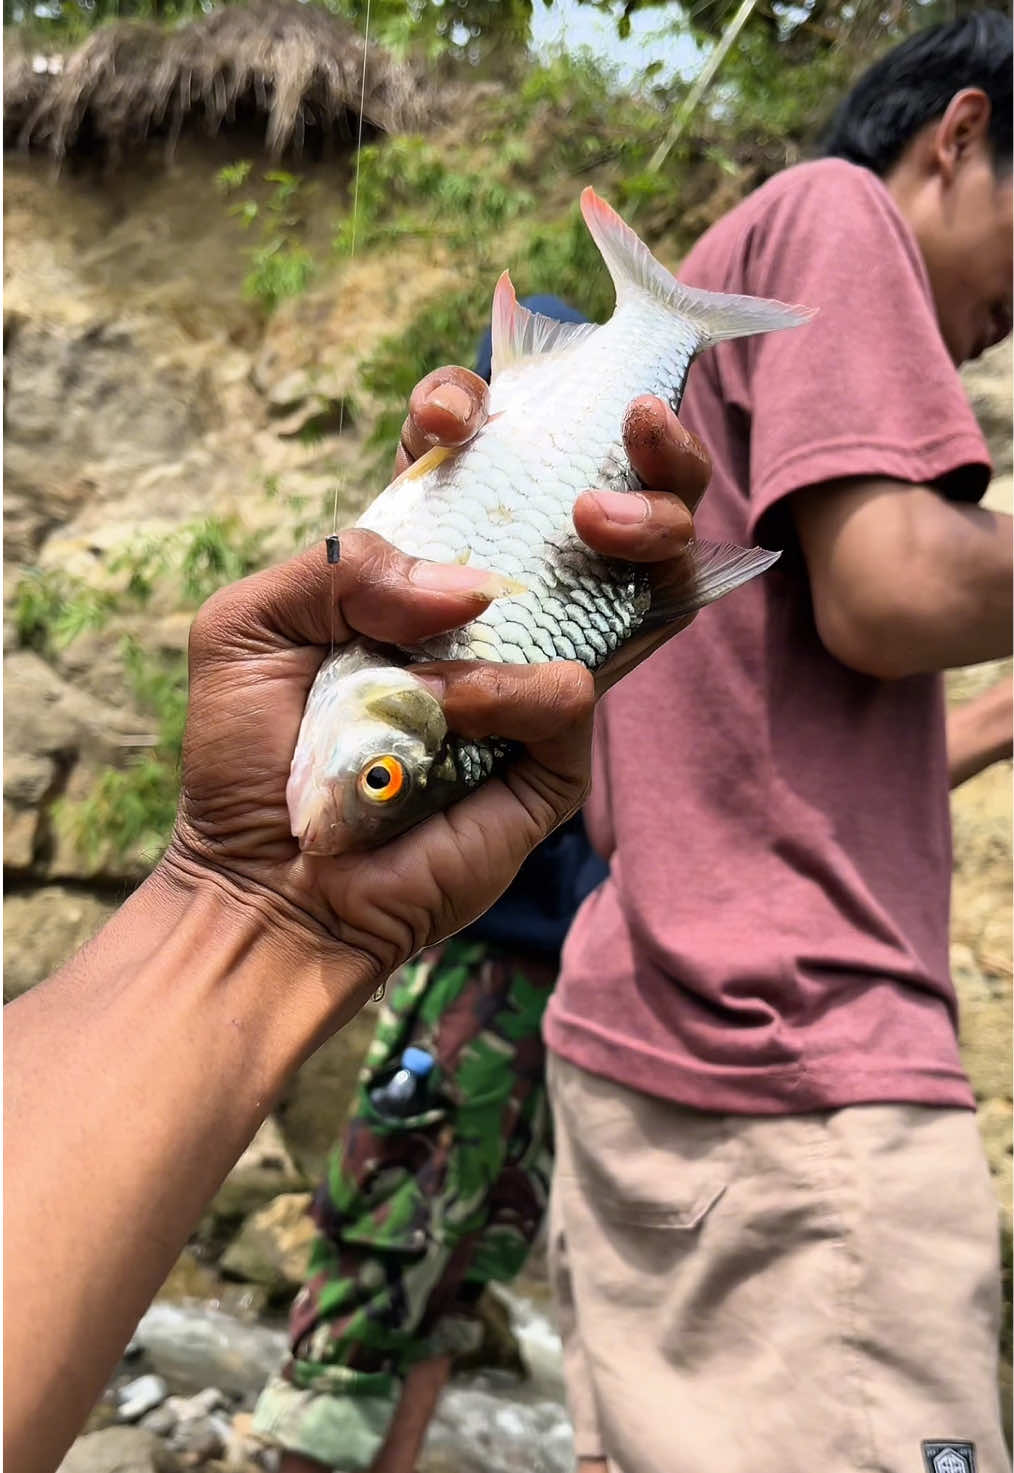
[(575, 26)]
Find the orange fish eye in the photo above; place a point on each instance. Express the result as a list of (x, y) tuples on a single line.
[(382, 779)]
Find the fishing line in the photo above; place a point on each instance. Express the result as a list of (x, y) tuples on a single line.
[(331, 541)]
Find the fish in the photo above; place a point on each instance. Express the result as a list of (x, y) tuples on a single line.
[(374, 755)]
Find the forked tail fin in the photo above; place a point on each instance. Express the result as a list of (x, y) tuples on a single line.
[(716, 315)]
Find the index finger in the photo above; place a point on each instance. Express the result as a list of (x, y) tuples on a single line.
[(447, 407), (666, 455), (374, 590)]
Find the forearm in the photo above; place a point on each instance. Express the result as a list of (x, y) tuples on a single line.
[(165, 1042), (903, 581), (954, 597), (980, 732)]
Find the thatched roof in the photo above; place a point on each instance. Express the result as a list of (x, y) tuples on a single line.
[(294, 65)]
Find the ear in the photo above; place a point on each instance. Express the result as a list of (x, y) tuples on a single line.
[(963, 129)]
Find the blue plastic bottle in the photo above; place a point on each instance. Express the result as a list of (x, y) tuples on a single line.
[(406, 1092)]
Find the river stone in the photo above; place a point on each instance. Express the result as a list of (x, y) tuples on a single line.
[(273, 1246), (161, 1420), (264, 1171), (200, 1438), (195, 1346), (140, 1396), (313, 1108), (209, 1400), (43, 928), (120, 1450)]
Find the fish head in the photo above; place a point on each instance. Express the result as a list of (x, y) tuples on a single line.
[(371, 759)]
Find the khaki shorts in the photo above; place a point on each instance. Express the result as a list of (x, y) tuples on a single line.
[(789, 1294)]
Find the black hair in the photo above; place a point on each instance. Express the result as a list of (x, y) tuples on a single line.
[(914, 83)]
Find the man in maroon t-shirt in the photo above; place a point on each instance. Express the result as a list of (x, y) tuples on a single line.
[(774, 1237)]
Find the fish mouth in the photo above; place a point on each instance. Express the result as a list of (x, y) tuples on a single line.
[(315, 815)]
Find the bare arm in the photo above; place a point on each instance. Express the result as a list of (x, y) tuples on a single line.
[(132, 1080), (135, 1076), (980, 732), (904, 581)]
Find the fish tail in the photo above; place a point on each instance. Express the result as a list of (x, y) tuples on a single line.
[(716, 315)]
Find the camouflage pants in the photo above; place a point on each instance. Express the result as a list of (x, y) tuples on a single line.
[(417, 1215)]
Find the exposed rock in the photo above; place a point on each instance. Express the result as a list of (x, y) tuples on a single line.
[(988, 383), (194, 1346), (209, 1400), (998, 1136), (192, 1279), (244, 1449), (272, 1247), (44, 715), (199, 1438), (161, 1420), (27, 777), (313, 1108), (313, 344), (22, 831), (264, 1170), (42, 928), (94, 394), (120, 1450)]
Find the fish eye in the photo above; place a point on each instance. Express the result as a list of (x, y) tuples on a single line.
[(381, 779)]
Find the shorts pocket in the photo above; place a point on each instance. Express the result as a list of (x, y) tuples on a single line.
[(687, 1215), (641, 1160)]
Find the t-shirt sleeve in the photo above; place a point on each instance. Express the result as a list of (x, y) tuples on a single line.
[(867, 388)]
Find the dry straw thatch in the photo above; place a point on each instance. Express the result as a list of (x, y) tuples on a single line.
[(294, 65)]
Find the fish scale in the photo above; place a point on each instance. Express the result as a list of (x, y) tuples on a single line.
[(504, 503)]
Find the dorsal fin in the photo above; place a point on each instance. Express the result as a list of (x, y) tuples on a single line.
[(519, 334)]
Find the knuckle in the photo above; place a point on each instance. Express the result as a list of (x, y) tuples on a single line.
[(205, 631)]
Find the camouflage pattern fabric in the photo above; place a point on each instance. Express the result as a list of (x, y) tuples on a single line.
[(418, 1214)]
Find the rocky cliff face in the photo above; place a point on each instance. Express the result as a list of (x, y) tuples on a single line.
[(144, 393)]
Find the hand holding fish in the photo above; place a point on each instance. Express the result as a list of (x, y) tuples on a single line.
[(451, 405), (255, 650), (500, 489)]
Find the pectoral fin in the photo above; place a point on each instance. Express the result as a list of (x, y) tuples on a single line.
[(713, 570)]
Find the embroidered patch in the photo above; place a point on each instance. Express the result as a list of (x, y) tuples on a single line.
[(949, 1457)]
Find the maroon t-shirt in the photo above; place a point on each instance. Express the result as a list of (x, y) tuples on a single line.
[(773, 934)]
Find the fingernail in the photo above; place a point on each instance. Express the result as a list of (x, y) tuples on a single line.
[(623, 507), (453, 401), (435, 684), (457, 578)]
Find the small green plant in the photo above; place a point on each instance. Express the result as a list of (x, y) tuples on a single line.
[(130, 810), (407, 189), (233, 176), (213, 552), (280, 264), (51, 609), (446, 330)]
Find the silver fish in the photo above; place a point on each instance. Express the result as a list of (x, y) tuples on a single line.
[(374, 755)]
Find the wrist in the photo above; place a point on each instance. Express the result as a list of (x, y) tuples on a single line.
[(268, 956)]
